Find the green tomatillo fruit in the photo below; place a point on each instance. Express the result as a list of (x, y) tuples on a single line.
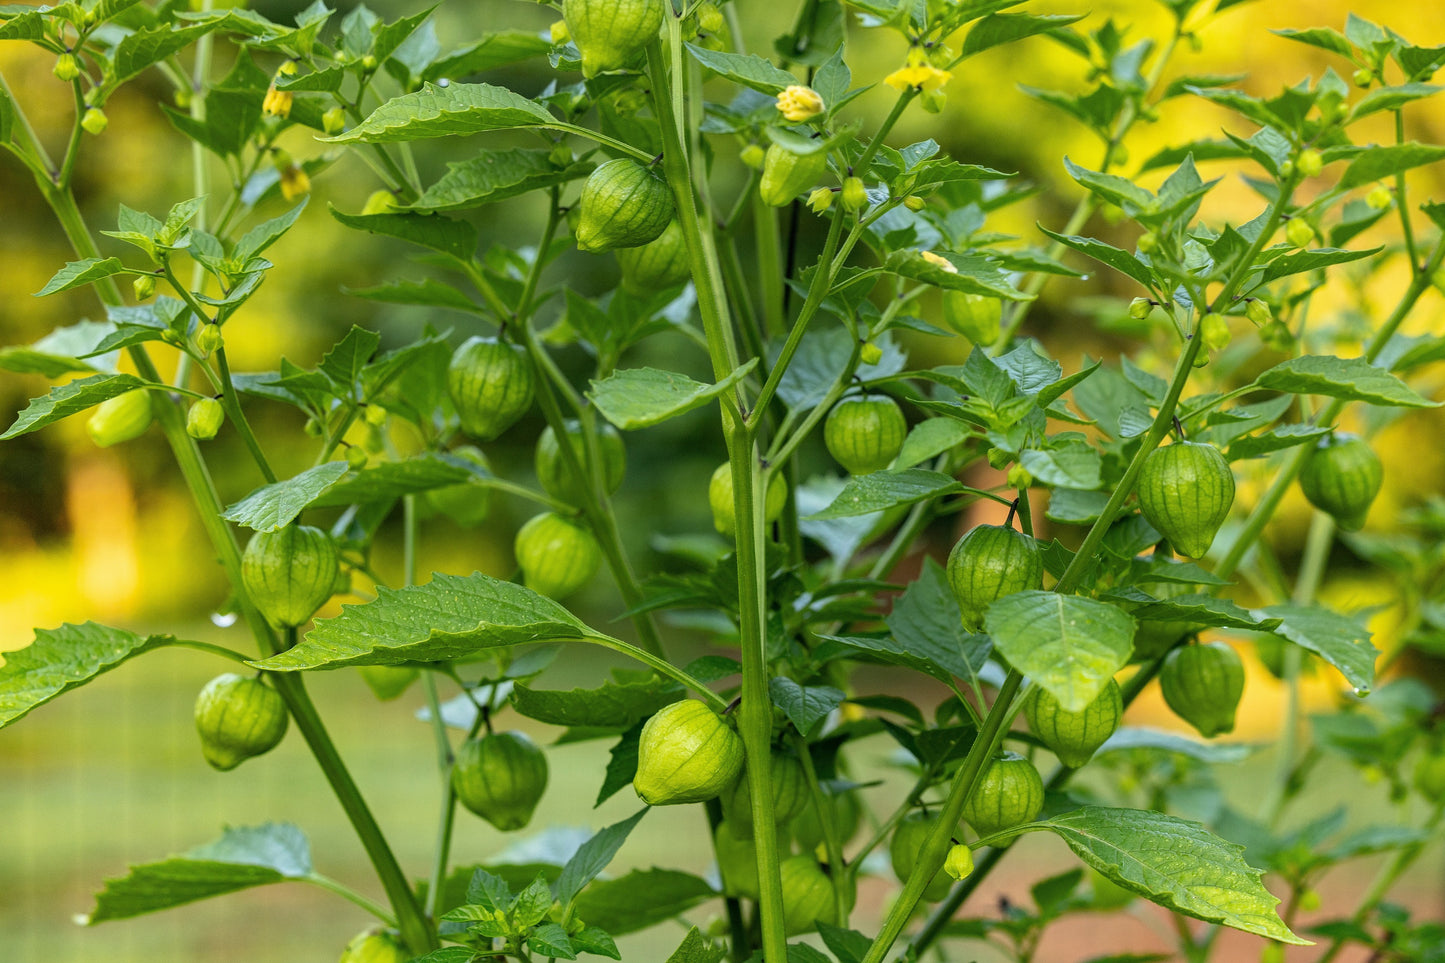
[(624, 204), (977, 317), (204, 418), (720, 499), (120, 419), (375, 946), (959, 861), (865, 434), (659, 264), (842, 809), (557, 555), (1074, 736), (491, 385), (388, 682), (807, 895), (289, 573), (992, 561), (686, 754), (1008, 794), (737, 860), (238, 717), (1341, 477), (790, 794), (787, 174), (908, 838), (1203, 684), (501, 777), (466, 503), (1186, 490), (556, 475), (609, 33)]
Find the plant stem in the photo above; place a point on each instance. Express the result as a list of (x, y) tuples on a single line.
[(831, 843), (351, 895)]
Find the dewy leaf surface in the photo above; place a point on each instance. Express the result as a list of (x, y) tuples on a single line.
[(277, 505), (1176, 863), (642, 397), (63, 659), (437, 111), (1071, 646)]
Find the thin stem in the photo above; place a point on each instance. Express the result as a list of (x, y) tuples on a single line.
[(831, 843), (220, 650), (1406, 228), (351, 895), (72, 148)]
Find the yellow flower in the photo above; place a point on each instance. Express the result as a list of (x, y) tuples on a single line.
[(277, 102), (918, 73), (294, 182), (939, 261), (798, 103)]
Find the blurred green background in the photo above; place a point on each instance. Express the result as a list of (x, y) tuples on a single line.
[(112, 775)]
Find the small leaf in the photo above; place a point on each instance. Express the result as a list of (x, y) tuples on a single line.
[(642, 397), (1070, 646), (930, 438), (621, 765), (68, 399), (1312, 260), (1176, 863), (77, 273), (882, 490), (344, 363), (446, 111), (495, 175), (1001, 28), (63, 659), (457, 239), (1121, 261), (614, 705), (1340, 641), (748, 70), (806, 706), (277, 505), (640, 899), (696, 948), (594, 855), (1352, 379), (263, 235), (1378, 163), (1275, 439)]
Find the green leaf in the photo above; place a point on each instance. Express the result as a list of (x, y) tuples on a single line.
[(925, 621), (883, 490), (749, 70), (1071, 646), (444, 112), (447, 618), (1322, 37), (63, 659), (455, 238), (1137, 737), (614, 705), (1340, 641), (643, 397), (427, 292), (930, 438), (1176, 863), (696, 948), (640, 899), (593, 856), (1275, 439), (493, 50), (77, 273), (1352, 379), (806, 706), (1072, 466), (495, 175), (1390, 98), (1121, 261), (63, 351), (972, 273), (139, 50), (68, 399), (390, 480), (1001, 28), (1378, 163), (277, 505), (263, 235), (551, 940), (1312, 260), (346, 360), (242, 858)]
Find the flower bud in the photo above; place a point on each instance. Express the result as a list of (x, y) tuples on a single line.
[(294, 182), (914, 203), (1258, 312), (820, 200), (1148, 241), (94, 121), (855, 195), (1215, 331), (1139, 308), (204, 419), (333, 121), (356, 457), (1286, 170), (959, 862), (67, 68), (1310, 162), (798, 103), (278, 102), (1380, 198), (1299, 233), (1277, 335), (710, 18), (870, 353), (208, 339), (753, 156), (940, 262), (368, 63), (375, 415), (559, 32), (1363, 78), (1019, 477), (143, 286)]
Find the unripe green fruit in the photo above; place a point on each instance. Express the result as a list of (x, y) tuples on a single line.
[(1299, 233), (289, 573), (388, 682), (790, 795), (1203, 685), (623, 205), (1362, 77), (1342, 477), (720, 499), (556, 476), (608, 33), (1186, 490), (1430, 776), (786, 174), (209, 338), (333, 121), (1008, 794), (977, 317), (1074, 736), (557, 555), (1019, 477), (1379, 198), (143, 287), (1258, 312), (491, 385), (710, 18), (686, 754), (842, 809), (94, 121), (992, 561), (204, 418), (238, 717), (66, 68), (500, 777), (375, 946), (870, 353), (908, 838), (737, 861), (959, 862), (807, 895), (1277, 336), (855, 194), (914, 203), (120, 419), (820, 200), (657, 265), (1148, 242), (864, 435), (465, 503), (356, 457)]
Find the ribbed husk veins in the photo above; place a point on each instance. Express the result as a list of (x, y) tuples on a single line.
[(557, 555), (864, 435), (1074, 736), (120, 419), (686, 754), (1203, 684), (1185, 490), (786, 174), (977, 317), (720, 499), (1342, 477), (491, 385), (289, 573), (465, 503), (992, 561), (238, 717), (558, 480), (501, 777), (807, 895), (908, 838), (659, 264), (1010, 793), (790, 795), (608, 33), (842, 807), (623, 205), (374, 947)]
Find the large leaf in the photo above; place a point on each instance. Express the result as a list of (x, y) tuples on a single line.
[(1176, 863), (1071, 646), (62, 659), (241, 858), (447, 618), (1378, 163), (926, 622), (641, 899), (452, 237), (882, 490), (390, 480), (446, 111), (275, 506), (1340, 641), (1351, 379), (68, 399), (642, 397), (614, 705), (749, 70), (495, 175), (593, 856)]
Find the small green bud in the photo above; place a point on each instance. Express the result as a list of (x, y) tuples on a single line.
[(959, 862), (559, 32), (1121, 154), (820, 200), (1215, 331), (1258, 312), (998, 458), (356, 457), (67, 68), (1299, 233), (1363, 78), (1148, 241), (94, 121), (368, 63), (1286, 170), (208, 339), (560, 156), (855, 195), (1380, 198), (333, 121), (1139, 308), (1019, 477), (710, 18), (914, 203), (375, 415), (870, 353), (204, 419), (753, 156), (1310, 162), (144, 286)]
